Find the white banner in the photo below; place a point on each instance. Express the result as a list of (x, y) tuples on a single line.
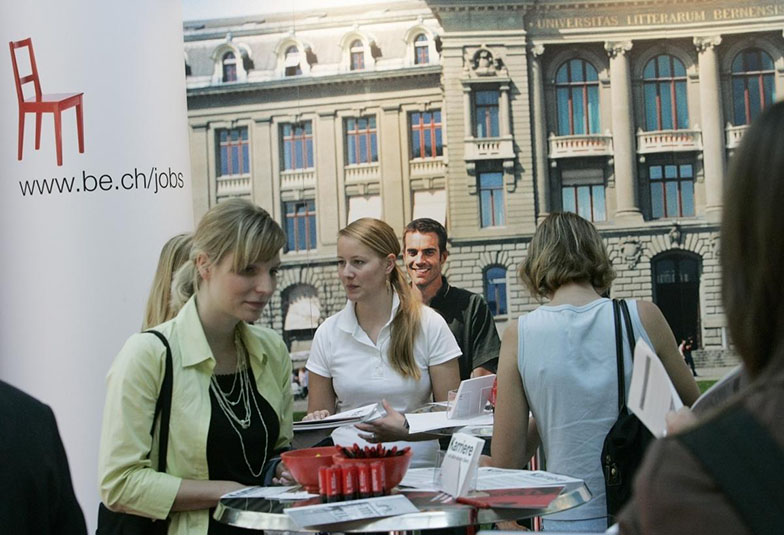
[(80, 241)]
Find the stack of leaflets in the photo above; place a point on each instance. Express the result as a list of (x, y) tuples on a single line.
[(368, 413)]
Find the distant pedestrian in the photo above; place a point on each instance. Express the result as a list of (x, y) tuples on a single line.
[(688, 347)]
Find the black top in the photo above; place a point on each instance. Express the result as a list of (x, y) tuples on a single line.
[(472, 324), (35, 482), (225, 457)]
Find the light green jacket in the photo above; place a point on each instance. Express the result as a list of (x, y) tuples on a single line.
[(128, 481)]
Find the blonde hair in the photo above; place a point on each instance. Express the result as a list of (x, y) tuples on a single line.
[(381, 239), (234, 226), (565, 248), (174, 254)]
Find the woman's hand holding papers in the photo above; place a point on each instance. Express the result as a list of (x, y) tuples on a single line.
[(389, 428)]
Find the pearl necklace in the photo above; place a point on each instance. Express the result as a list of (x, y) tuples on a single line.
[(243, 400)]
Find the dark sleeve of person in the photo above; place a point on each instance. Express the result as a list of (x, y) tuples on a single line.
[(37, 495), (66, 514), (484, 340)]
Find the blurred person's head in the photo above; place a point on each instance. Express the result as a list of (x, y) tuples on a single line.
[(234, 245), (752, 242), (565, 249), (367, 264), (174, 254), (424, 251)]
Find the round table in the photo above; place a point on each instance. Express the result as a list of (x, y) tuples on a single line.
[(267, 514)]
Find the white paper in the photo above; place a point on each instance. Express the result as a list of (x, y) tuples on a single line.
[(460, 464), (471, 397), (722, 390), (502, 478), (429, 421), (367, 413), (339, 512), (651, 393), (488, 478), (279, 493)]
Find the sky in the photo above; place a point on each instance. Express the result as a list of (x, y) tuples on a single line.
[(210, 9)]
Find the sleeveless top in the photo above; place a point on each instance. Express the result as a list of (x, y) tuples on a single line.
[(225, 456), (566, 358)]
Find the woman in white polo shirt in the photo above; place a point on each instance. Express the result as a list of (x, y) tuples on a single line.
[(383, 346)]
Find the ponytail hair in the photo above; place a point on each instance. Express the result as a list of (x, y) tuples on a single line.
[(174, 254), (380, 238), (234, 226)]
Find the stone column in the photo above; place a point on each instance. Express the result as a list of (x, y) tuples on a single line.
[(712, 120), (623, 132), (503, 111), (540, 135), (328, 197), (467, 115), (391, 151)]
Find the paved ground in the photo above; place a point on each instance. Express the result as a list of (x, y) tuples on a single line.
[(704, 374)]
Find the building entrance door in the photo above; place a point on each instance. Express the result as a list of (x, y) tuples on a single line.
[(676, 291)]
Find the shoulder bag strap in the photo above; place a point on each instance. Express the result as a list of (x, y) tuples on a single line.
[(619, 355), (746, 463), (163, 405), (627, 320)]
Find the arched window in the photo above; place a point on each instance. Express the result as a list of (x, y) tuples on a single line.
[(495, 290), (421, 50), (357, 55), (229, 67), (292, 61), (577, 97), (752, 84), (664, 86)]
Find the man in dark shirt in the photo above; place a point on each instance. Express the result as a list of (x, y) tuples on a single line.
[(35, 483), (466, 313)]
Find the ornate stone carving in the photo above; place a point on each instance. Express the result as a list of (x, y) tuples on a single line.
[(482, 62), (715, 245), (537, 50), (631, 252), (617, 48), (675, 235), (706, 43)]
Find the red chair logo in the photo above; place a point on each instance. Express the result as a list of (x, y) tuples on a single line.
[(39, 104)]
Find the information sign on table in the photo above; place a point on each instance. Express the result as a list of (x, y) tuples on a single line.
[(461, 461)]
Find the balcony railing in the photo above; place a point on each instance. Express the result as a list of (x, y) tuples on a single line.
[(734, 134), (580, 145), (298, 179), (668, 141), (489, 148), (232, 186), (362, 172), (425, 167)]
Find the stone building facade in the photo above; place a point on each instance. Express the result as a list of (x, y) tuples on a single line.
[(487, 115)]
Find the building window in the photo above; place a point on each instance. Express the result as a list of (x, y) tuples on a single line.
[(361, 140), (426, 139), (429, 203), (297, 145), (672, 189), (577, 98), (486, 113), (292, 62), (491, 199), (421, 50), (300, 225), (495, 290), (357, 55), (360, 206), (582, 192), (752, 84), (233, 152), (664, 88), (229, 67)]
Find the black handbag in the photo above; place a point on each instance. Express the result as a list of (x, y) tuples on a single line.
[(113, 523), (628, 438)]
